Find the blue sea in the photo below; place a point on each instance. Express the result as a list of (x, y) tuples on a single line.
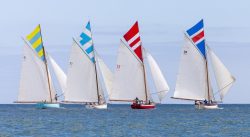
[(120, 120)]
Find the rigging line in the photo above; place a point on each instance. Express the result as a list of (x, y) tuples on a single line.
[(224, 87), (60, 95)]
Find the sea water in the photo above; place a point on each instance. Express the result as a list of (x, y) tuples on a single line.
[(121, 120)]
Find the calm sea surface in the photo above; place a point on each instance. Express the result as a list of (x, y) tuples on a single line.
[(120, 120)]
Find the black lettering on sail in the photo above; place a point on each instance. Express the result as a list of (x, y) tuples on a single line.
[(118, 67)]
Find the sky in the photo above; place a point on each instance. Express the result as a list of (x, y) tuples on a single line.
[(161, 22)]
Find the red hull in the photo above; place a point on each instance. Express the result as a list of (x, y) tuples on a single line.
[(142, 106)]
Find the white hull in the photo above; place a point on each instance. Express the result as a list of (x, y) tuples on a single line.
[(47, 105), (207, 106), (102, 106)]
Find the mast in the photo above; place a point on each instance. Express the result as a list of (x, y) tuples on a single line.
[(144, 73), (144, 76), (46, 66), (97, 85), (207, 80)]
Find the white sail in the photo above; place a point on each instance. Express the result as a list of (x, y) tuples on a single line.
[(159, 80), (129, 77), (34, 85), (81, 79), (223, 77), (60, 75), (106, 74), (192, 77), (148, 92)]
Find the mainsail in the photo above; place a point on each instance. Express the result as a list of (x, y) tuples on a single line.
[(128, 77), (60, 75), (159, 80), (81, 79), (223, 77), (34, 79), (192, 76)]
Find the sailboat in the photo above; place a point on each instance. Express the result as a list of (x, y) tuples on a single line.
[(193, 80), (83, 80), (36, 84), (130, 80)]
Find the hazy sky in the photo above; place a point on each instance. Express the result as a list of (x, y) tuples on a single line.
[(161, 22)]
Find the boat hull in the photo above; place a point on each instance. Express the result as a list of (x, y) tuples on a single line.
[(207, 106), (142, 106), (47, 105), (102, 106)]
